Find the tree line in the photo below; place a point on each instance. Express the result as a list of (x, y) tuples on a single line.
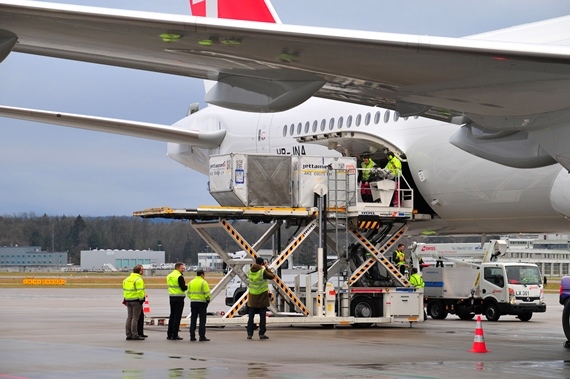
[(72, 234)]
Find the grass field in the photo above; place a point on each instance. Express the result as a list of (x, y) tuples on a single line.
[(87, 279)]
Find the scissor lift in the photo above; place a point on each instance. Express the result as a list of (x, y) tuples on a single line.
[(338, 218)]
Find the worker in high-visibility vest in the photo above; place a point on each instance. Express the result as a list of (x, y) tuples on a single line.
[(199, 294), (134, 295), (399, 258), (176, 294), (395, 167), (364, 177), (258, 298), (416, 280)]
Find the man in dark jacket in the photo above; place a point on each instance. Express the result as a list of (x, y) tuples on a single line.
[(258, 298)]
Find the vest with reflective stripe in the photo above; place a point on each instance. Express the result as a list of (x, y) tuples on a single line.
[(417, 281), (401, 258), (198, 290), (366, 169), (257, 284), (133, 287), (172, 283)]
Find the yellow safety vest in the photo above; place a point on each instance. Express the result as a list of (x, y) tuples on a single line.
[(366, 169), (395, 166), (400, 257), (257, 284), (133, 287), (172, 283), (417, 281), (198, 290)]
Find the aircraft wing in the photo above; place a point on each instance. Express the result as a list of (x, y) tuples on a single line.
[(157, 132), (503, 86)]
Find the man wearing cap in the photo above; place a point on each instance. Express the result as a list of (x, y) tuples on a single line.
[(134, 295), (258, 298)]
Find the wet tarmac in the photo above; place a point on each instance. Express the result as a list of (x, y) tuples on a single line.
[(79, 333)]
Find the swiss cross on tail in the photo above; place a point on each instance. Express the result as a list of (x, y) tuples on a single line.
[(248, 10)]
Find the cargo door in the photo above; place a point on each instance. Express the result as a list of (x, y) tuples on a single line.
[(263, 133)]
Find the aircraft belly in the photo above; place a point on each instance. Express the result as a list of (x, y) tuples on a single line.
[(474, 195)]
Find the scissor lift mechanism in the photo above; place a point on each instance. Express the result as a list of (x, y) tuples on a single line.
[(205, 218)]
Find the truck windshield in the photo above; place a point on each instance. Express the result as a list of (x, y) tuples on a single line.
[(523, 275)]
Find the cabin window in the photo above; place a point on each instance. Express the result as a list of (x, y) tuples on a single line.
[(396, 116), (349, 121), (285, 131), (292, 130), (358, 119), (377, 116), (340, 122), (299, 128), (323, 124), (331, 124), (307, 125), (367, 119), (386, 117), (315, 125)]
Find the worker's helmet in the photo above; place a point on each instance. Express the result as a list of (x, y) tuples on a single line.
[(390, 155)]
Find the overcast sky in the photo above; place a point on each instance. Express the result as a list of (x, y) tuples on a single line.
[(66, 171)]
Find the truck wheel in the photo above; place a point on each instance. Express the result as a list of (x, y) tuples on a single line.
[(491, 312), (362, 307), (466, 315), (435, 310), (525, 316), (566, 320)]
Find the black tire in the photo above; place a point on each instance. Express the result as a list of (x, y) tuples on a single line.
[(362, 306), (525, 316), (566, 320), (492, 312), (435, 310), (466, 315)]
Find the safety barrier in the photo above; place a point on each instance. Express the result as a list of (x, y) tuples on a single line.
[(44, 282)]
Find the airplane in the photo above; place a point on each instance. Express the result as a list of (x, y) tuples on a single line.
[(505, 170)]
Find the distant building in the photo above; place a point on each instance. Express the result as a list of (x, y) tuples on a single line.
[(30, 256), (111, 260)]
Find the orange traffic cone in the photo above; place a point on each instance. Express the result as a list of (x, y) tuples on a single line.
[(146, 307), (479, 340)]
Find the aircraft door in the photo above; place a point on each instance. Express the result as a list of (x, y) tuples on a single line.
[(263, 133)]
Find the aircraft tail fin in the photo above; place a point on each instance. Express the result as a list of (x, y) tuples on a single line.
[(247, 10)]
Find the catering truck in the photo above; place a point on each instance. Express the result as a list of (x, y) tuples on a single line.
[(477, 283)]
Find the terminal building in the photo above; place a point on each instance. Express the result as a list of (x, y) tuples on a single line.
[(119, 260), (12, 257)]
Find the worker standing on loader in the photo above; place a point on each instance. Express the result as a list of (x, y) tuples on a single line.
[(399, 258)]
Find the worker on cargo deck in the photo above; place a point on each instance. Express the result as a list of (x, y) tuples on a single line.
[(176, 288), (258, 298), (133, 295), (399, 258), (364, 177), (199, 294), (395, 167)]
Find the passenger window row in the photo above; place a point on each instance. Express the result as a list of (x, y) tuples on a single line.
[(315, 126)]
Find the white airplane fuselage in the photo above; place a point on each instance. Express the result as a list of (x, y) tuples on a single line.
[(466, 194)]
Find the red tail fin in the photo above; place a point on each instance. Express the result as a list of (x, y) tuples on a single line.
[(248, 10)]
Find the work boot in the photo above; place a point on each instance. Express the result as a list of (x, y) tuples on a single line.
[(203, 339), (249, 337), (263, 337)]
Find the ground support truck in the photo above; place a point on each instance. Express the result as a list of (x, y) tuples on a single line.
[(480, 285), (314, 195)]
